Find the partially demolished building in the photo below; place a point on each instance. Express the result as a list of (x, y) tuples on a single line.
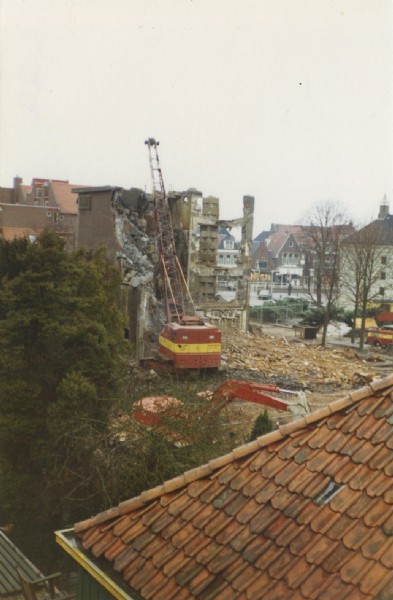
[(123, 222)]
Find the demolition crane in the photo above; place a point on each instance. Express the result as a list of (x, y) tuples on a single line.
[(187, 339)]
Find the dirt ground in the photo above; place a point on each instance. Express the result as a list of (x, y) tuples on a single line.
[(279, 356)]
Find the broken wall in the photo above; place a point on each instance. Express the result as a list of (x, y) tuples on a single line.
[(123, 222)]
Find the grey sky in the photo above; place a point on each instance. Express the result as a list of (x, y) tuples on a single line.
[(287, 100)]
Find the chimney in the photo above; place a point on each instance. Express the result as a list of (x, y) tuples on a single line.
[(384, 208), (17, 185)]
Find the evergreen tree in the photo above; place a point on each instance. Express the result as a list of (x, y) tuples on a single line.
[(61, 347), (262, 424)]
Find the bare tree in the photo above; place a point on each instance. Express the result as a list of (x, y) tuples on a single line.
[(327, 226), (363, 255)]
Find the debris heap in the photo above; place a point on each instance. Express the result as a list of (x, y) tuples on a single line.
[(310, 364)]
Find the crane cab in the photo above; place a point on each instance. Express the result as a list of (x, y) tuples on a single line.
[(191, 344)]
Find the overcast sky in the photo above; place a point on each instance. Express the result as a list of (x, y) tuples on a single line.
[(290, 101)]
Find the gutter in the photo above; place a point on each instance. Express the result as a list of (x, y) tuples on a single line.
[(66, 540)]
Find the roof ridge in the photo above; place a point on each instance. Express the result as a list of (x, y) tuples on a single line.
[(239, 452)]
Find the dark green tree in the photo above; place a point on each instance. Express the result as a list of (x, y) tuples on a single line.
[(262, 424), (61, 356)]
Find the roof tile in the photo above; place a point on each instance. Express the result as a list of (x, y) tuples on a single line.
[(352, 423), (246, 513), (312, 585), (115, 549), (281, 564), (267, 490), (245, 575), (302, 542), (218, 522), (365, 452), (379, 485), (124, 559), (376, 544), (175, 563), (133, 567), (266, 515), (200, 582), (344, 499), (236, 504), (323, 519), (171, 529), (363, 504), (184, 535), (245, 578), (284, 476), (300, 571), (255, 549), (277, 526), (322, 547), (320, 460), (334, 587), (142, 576), (253, 485), (354, 538), (225, 557), (387, 558), (368, 427), (377, 578), (387, 525), (384, 410), (289, 534), (196, 543), (271, 554), (164, 555), (153, 586), (233, 528), (336, 465), (361, 476), (355, 568), (378, 512), (304, 513), (383, 434), (336, 559), (273, 466), (342, 526)]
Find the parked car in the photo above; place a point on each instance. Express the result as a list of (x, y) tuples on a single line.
[(265, 295)]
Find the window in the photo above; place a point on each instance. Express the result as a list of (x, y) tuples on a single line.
[(384, 260), (381, 291), (261, 265), (290, 244), (85, 202), (331, 490), (49, 214), (383, 275)]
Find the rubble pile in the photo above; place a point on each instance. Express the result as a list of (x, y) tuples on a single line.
[(310, 364), (136, 246)]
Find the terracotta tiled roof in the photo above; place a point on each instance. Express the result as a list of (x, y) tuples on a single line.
[(65, 197), (303, 512), (11, 233)]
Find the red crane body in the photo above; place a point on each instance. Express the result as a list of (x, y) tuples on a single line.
[(187, 340)]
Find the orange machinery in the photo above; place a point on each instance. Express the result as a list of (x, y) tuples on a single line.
[(187, 340)]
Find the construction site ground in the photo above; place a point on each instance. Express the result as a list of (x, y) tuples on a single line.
[(271, 354)]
